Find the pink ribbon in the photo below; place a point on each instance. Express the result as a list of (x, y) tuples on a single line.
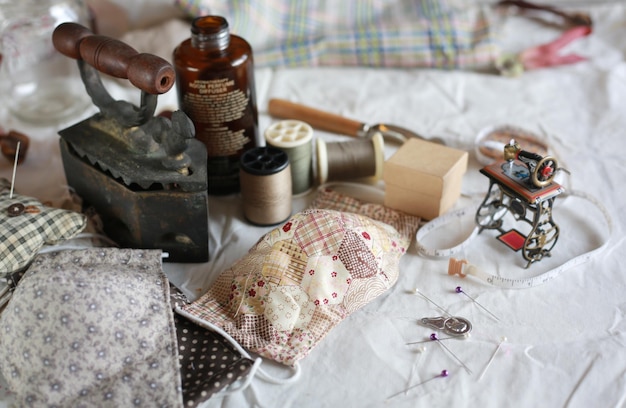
[(548, 55)]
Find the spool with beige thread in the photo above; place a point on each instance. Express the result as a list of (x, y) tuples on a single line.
[(295, 138), (360, 159), (265, 180)]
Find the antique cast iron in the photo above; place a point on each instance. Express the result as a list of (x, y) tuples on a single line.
[(145, 175)]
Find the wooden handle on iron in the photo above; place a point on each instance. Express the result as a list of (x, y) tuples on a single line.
[(318, 119), (147, 72)]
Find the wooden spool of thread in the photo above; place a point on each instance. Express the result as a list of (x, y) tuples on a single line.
[(265, 179), (294, 138), (355, 159)]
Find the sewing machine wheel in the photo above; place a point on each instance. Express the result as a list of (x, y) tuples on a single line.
[(544, 171)]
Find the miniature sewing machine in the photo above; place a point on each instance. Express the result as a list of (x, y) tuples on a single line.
[(522, 185), (144, 175)]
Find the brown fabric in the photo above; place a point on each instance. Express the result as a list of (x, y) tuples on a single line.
[(208, 363)]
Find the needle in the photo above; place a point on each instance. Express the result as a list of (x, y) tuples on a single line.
[(420, 350), (502, 340), (17, 154), (417, 292), (444, 373), (462, 337), (435, 338), (460, 290)]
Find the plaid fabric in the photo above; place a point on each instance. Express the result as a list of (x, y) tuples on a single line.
[(405, 224), (22, 236), (376, 33)]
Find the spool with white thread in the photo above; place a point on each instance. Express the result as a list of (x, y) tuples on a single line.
[(294, 137), (265, 179), (360, 159)]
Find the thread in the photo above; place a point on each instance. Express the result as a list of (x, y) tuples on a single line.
[(355, 159), (294, 138), (265, 179)]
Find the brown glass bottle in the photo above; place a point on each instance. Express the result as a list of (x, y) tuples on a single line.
[(215, 84)]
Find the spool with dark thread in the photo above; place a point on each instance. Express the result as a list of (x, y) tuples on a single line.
[(265, 179), (360, 159)]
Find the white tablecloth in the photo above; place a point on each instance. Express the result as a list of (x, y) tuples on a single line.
[(565, 339)]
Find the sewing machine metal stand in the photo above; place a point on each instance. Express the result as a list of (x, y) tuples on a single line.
[(522, 186)]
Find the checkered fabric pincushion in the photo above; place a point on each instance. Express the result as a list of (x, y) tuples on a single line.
[(24, 234)]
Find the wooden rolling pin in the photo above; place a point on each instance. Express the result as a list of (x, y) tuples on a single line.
[(147, 72)]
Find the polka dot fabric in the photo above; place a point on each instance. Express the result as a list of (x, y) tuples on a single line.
[(208, 363)]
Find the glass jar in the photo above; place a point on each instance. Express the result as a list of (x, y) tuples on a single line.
[(42, 86)]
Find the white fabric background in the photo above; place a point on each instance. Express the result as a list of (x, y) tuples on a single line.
[(565, 339)]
